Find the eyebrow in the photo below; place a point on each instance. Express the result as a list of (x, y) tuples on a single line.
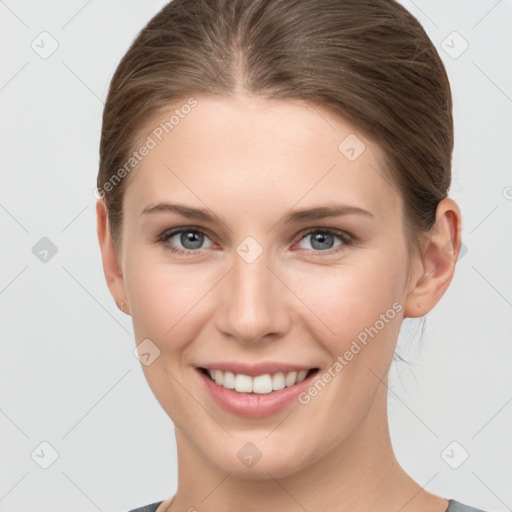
[(294, 216)]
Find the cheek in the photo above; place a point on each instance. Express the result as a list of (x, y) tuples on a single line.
[(164, 300), (165, 304), (358, 313), (346, 299)]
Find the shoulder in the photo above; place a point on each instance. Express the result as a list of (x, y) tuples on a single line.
[(456, 506), (147, 508)]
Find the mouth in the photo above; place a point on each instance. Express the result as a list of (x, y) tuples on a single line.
[(267, 383)]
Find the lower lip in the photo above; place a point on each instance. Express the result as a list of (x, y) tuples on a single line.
[(254, 405)]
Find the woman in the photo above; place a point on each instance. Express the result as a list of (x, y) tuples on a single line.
[(273, 188)]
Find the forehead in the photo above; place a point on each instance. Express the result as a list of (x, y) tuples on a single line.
[(250, 151)]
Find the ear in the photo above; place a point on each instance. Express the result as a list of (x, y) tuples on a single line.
[(109, 256), (437, 261)]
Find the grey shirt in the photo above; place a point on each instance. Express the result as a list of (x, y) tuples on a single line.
[(453, 506)]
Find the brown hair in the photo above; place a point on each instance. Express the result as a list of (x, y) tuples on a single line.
[(369, 61)]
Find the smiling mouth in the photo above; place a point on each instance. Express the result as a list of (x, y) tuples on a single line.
[(261, 384)]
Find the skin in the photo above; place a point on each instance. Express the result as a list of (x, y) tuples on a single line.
[(250, 161)]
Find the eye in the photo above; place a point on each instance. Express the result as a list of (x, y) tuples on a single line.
[(190, 238), (322, 240)]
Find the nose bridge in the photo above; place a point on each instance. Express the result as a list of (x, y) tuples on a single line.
[(252, 297)]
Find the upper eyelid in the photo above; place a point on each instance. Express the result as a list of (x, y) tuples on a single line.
[(168, 233)]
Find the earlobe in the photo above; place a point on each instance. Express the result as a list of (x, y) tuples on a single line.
[(438, 261), (111, 266)]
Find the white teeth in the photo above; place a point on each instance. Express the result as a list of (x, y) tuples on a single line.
[(243, 383), (290, 379), (302, 375), (278, 381), (229, 380), (219, 377), (262, 384)]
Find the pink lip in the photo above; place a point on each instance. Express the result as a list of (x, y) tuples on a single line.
[(255, 369), (253, 405)]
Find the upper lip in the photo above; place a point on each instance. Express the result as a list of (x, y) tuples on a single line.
[(254, 369)]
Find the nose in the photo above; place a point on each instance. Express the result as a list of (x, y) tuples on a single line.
[(253, 301)]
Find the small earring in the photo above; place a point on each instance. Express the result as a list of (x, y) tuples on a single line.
[(120, 305)]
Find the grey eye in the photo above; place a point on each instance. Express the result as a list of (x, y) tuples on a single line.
[(321, 240)]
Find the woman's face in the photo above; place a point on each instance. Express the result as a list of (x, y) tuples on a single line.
[(259, 283)]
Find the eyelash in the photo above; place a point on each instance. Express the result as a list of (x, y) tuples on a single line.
[(344, 237)]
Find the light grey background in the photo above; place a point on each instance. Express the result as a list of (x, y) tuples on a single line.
[(68, 376)]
